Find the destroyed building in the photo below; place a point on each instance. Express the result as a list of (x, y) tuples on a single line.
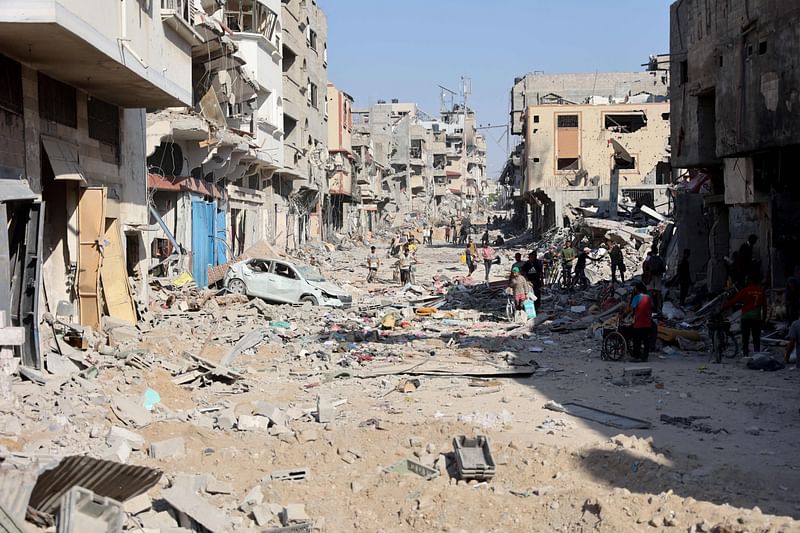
[(338, 208), (74, 84), (302, 180), (734, 94), (566, 122)]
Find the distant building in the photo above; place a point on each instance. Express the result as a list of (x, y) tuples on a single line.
[(566, 121), (337, 207), (734, 125)]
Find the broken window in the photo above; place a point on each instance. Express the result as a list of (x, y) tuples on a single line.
[(625, 122), (10, 85), (568, 163), (762, 48), (567, 121), (626, 165), (684, 71), (535, 119), (103, 122), (313, 96), (312, 39), (167, 160), (58, 101), (250, 16)]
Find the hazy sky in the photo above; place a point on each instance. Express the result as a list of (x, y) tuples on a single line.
[(384, 49)]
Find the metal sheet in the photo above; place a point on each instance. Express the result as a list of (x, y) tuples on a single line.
[(105, 478), (13, 189), (604, 417), (63, 158)]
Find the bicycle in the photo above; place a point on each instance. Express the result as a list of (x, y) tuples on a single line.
[(723, 342)]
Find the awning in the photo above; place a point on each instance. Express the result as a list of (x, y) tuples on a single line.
[(63, 158), (12, 189)]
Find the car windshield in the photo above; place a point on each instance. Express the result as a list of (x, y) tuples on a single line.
[(311, 274)]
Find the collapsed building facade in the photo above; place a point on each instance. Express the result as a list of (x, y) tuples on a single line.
[(567, 121), (734, 126)]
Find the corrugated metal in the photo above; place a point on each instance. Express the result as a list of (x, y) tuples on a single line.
[(105, 478)]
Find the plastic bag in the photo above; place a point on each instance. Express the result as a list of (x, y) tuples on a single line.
[(530, 309), (463, 259)]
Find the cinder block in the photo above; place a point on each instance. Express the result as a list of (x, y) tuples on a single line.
[(166, 449), (252, 423)]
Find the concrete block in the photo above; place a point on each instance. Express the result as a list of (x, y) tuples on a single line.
[(138, 504), (157, 520), (252, 423), (294, 512), (120, 451), (116, 434), (169, 448), (226, 421), (190, 482), (275, 414), (326, 412), (214, 486), (280, 430), (123, 334), (262, 515)]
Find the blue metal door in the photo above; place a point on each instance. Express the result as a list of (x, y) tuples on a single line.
[(221, 234), (200, 241)]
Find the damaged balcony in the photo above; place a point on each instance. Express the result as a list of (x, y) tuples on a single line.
[(91, 49)]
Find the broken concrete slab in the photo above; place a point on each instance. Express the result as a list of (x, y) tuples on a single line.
[(131, 412), (214, 486), (197, 511), (138, 504), (252, 423), (166, 449), (325, 411), (116, 434), (294, 512), (275, 414)]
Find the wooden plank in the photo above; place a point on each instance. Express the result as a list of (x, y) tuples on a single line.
[(113, 275), (91, 232)]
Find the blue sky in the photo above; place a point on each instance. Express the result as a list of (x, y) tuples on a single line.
[(383, 49)]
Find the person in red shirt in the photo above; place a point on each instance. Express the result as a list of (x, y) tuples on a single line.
[(642, 308), (754, 312)]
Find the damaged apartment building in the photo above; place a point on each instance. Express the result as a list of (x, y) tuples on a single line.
[(75, 77), (298, 187), (211, 165), (567, 123), (438, 166), (734, 127)]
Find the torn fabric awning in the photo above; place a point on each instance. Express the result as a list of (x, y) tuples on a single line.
[(63, 158)]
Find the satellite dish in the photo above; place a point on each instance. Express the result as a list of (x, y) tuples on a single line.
[(621, 155)]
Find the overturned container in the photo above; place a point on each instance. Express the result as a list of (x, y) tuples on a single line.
[(474, 458)]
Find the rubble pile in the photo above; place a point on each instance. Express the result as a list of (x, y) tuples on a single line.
[(239, 415)]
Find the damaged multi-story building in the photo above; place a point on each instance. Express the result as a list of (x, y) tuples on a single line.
[(300, 184), (734, 126), (210, 164), (75, 77), (338, 207), (567, 121)]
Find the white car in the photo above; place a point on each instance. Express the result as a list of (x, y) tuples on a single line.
[(280, 281)]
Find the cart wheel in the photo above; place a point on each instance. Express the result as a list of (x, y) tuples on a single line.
[(614, 346)]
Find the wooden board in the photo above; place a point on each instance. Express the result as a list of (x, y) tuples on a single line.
[(91, 231), (114, 277)]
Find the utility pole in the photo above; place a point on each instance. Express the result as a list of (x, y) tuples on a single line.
[(466, 89)]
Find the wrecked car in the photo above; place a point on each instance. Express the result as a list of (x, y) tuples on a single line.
[(281, 281)]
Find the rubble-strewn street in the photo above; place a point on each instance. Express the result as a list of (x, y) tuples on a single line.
[(307, 266), (320, 402)]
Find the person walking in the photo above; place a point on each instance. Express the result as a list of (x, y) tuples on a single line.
[(485, 238), (462, 235), (533, 270), (684, 276), (471, 251), (641, 306), (447, 234), (617, 263), (754, 312), (373, 262), (453, 232), (406, 259), (519, 288), (488, 254)]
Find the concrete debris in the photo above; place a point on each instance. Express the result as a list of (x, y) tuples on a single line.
[(168, 449), (194, 511)]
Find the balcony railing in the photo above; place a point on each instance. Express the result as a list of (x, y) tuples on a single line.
[(182, 8)]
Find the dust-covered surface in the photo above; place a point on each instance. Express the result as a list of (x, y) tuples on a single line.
[(733, 467)]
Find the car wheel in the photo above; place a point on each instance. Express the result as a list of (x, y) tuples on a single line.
[(237, 286), (310, 299)]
